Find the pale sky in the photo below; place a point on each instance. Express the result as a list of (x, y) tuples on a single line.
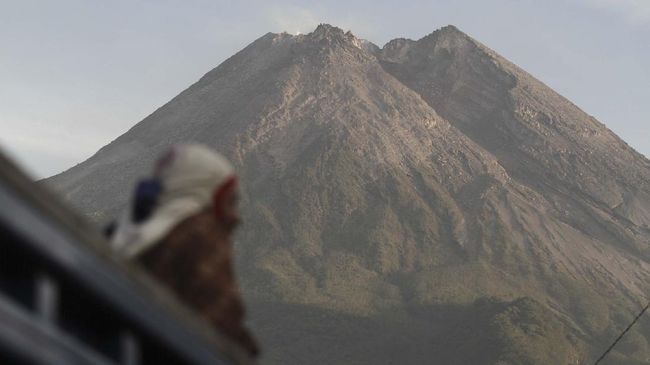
[(75, 74)]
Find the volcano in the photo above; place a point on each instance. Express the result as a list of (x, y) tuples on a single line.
[(424, 202)]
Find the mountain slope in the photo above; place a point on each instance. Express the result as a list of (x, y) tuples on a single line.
[(541, 139), (427, 200)]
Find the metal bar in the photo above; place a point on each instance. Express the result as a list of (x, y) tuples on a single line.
[(28, 337), (130, 348), (47, 298)]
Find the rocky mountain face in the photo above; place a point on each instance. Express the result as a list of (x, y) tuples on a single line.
[(424, 202)]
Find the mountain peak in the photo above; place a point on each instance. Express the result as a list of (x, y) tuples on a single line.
[(327, 30), (333, 35), (448, 37), (450, 29), (449, 34)]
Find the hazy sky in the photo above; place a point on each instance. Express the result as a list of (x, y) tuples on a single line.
[(75, 74)]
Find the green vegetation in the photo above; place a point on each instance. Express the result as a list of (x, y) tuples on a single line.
[(487, 331)]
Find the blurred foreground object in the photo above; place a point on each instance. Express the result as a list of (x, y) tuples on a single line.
[(179, 226), (65, 300)]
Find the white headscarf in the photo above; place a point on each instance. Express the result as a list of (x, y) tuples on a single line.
[(189, 175)]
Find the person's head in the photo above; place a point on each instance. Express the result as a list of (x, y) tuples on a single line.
[(225, 204), (187, 180)]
